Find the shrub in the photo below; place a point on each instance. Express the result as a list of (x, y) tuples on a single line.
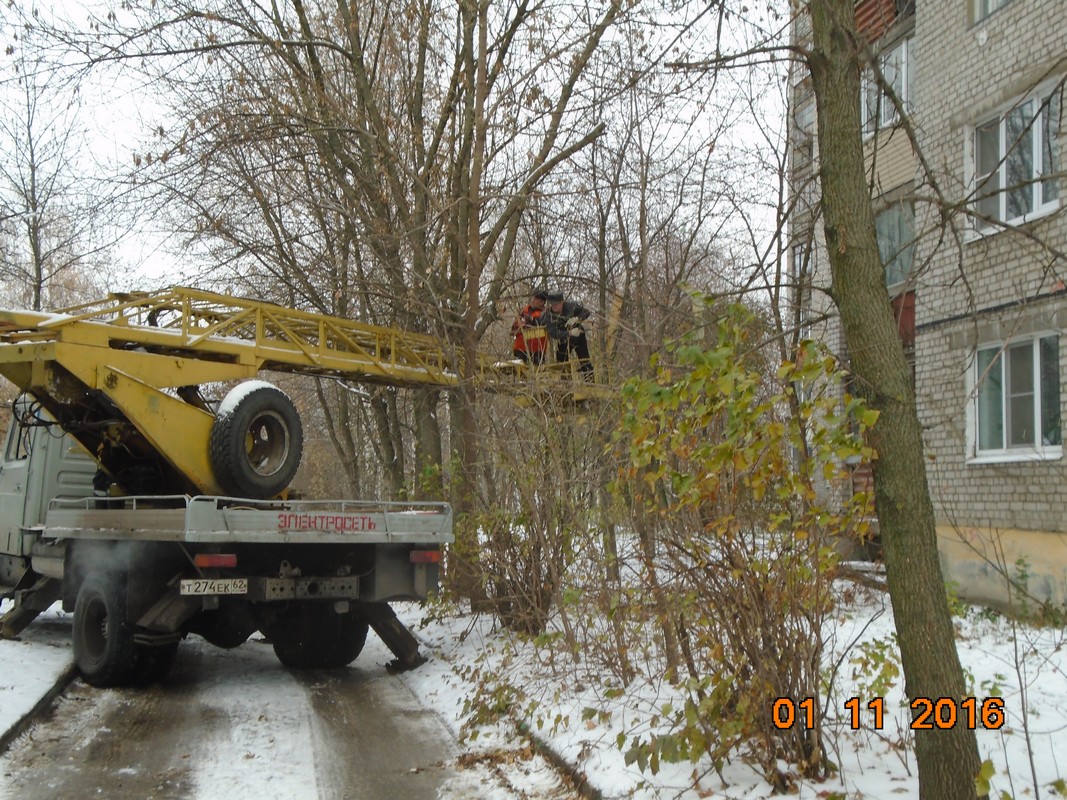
[(736, 471)]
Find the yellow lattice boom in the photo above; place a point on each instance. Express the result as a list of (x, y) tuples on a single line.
[(221, 328), (224, 329), (137, 351)]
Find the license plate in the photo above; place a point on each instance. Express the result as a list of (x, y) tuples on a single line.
[(214, 586)]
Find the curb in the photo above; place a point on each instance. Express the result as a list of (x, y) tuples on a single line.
[(561, 764), (63, 680), (563, 767)]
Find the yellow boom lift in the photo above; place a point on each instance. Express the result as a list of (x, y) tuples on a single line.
[(122, 374)]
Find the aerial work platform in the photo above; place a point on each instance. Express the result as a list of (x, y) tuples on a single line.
[(238, 337), (121, 373)]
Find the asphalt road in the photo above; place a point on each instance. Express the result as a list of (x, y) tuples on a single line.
[(236, 724)]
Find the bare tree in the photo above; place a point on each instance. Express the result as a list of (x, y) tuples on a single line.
[(50, 222), (372, 160)]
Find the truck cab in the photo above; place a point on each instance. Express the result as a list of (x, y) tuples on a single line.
[(40, 463)]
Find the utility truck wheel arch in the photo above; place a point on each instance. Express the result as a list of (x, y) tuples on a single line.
[(104, 649), (256, 441)]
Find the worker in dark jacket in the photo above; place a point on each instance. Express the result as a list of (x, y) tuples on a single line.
[(563, 320)]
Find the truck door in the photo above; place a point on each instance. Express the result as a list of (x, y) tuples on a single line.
[(14, 470)]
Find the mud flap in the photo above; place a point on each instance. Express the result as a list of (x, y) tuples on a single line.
[(391, 631), (169, 612)]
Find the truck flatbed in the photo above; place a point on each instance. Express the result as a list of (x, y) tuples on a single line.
[(224, 520)]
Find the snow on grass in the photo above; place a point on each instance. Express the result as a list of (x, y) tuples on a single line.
[(1023, 666), (582, 714)]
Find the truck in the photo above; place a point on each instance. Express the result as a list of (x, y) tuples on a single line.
[(152, 510)]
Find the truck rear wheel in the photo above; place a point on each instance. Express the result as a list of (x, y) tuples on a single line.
[(104, 649), (256, 441), (314, 636)]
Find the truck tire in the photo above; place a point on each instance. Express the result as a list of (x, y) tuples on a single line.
[(256, 441), (313, 636), (104, 649)]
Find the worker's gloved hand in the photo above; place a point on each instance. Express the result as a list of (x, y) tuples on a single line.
[(575, 331), (573, 322)]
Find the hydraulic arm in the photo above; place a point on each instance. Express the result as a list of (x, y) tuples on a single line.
[(122, 375)]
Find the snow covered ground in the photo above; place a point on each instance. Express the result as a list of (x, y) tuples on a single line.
[(477, 669), (1026, 667), (30, 667)]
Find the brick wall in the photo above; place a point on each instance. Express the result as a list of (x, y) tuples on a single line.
[(1011, 279), (971, 290)]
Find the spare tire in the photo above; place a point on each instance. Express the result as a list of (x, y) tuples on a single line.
[(256, 441)]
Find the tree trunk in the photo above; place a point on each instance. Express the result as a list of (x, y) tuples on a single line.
[(947, 760), (390, 444), (672, 652), (467, 579), (428, 454), (339, 427)]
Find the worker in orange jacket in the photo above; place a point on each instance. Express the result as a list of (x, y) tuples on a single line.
[(531, 338)]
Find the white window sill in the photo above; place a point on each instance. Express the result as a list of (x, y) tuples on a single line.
[(897, 289), (973, 234), (1016, 456), (870, 134)]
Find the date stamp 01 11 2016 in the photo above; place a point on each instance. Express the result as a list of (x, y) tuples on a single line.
[(943, 713)]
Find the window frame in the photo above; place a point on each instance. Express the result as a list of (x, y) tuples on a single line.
[(887, 115), (18, 445), (991, 7), (1009, 453), (904, 217), (1038, 104), (803, 267)]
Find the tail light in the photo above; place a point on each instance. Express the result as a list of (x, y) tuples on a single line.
[(218, 560), (425, 556)]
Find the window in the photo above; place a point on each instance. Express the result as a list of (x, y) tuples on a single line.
[(805, 118), (1018, 398), (1016, 160), (804, 174), (803, 257), (803, 264), (895, 227), (983, 8), (18, 442), (876, 106), (804, 130), (803, 136)]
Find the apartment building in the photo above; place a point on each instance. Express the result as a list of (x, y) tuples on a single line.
[(964, 134)]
